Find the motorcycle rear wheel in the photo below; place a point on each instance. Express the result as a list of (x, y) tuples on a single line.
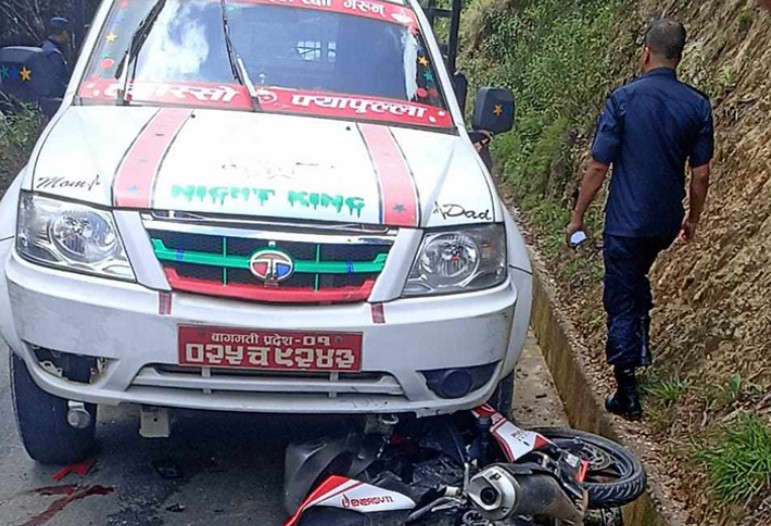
[(615, 476)]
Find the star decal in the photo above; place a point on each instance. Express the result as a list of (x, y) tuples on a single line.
[(26, 75), (428, 76), (111, 37), (423, 61), (133, 189), (4, 72), (498, 110), (399, 209)]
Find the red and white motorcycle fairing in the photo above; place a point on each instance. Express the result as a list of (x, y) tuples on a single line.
[(516, 442), (348, 494)]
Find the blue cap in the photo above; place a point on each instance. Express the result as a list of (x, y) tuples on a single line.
[(59, 22)]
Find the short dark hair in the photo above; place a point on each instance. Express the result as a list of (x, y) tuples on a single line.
[(56, 31), (666, 37)]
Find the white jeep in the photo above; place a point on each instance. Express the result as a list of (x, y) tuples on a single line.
[(261, 206)]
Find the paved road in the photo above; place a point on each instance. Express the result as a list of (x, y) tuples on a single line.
[(231, 464)]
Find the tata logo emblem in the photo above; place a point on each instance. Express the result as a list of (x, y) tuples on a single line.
[(271, 266)]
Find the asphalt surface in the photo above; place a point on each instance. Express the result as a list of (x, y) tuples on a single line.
[(229, 466)]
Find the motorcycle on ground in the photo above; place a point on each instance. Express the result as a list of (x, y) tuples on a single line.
[(471, 469)]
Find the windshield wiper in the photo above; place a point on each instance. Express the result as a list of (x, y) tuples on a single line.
[(131, 56), (236, 64)]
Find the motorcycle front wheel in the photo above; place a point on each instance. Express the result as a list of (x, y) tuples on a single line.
[(615, 476)]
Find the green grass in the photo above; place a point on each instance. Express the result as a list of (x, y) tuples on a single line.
[(583, 266), (746, 18), (21, 129), (666, 390), (732, 391), (738, 461)]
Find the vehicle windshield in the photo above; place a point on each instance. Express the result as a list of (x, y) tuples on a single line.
[(367, 48)]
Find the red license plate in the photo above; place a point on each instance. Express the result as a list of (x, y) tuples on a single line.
[(269, 350)]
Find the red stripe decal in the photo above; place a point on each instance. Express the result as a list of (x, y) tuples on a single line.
[(582, 470), (372, 9), (133, 186), (398, 194), (274, 295), (378, 313), (345, 106), (164, 303), (540, 441), (329, 485)]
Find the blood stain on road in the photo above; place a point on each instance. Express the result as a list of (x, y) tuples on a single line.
[(71, 493)]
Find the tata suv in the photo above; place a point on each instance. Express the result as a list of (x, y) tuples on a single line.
[(258, 206)]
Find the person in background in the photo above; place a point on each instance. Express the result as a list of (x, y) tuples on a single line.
[(54, 48), (647, 131)]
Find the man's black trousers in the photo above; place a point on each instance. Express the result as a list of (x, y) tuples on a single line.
[(627, 297)]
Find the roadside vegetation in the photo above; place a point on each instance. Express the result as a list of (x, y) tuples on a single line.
[(23, 22), (20, 127), (19, 130), (554, 56), (708, 395)]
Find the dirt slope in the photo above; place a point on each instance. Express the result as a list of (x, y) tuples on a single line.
[(712, 323), (714, 307)]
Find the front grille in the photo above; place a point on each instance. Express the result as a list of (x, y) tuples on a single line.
[(328, 268), (214, 380)]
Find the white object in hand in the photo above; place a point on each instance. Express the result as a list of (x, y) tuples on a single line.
[(577, 238)]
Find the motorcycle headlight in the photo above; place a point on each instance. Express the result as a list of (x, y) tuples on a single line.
[(473, 258), (71, 237)]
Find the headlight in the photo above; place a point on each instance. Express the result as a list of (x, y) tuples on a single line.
[(71, 237), (459, 261)]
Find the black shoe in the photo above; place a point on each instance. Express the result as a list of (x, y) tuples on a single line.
[(626, 405), (625, 402)]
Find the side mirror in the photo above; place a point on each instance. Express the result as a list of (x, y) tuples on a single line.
[(494, 111), (27, 75)]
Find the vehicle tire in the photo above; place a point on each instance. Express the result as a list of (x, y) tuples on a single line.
[(503, 395), (42, 421), (615, 476)]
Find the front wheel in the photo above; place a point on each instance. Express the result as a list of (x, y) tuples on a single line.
[(42, 421), (615, 476)]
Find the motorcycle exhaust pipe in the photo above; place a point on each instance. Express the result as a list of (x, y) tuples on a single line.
[(498, 493)]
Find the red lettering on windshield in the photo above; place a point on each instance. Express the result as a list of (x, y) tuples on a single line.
[(274, 100), (373, 9)]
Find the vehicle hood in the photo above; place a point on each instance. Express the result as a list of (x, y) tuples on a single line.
[(263, 165)]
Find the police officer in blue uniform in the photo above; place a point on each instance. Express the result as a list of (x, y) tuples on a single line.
[(648, 130), (54, 47)]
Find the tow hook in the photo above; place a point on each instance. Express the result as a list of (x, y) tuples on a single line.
[(77, 416)]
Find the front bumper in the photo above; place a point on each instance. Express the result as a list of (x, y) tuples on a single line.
[(121, 323)]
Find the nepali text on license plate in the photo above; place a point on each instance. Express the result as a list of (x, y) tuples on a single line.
[(269, 350)]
